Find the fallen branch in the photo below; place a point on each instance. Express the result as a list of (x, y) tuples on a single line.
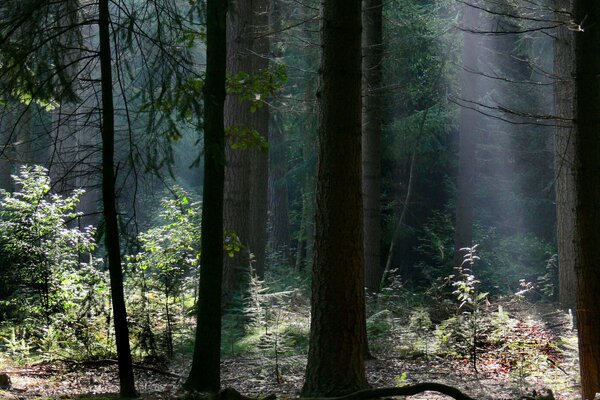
[(401, 391), (136, 366)]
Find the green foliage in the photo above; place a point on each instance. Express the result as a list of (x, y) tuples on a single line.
[(245, 137), (506, 260), (256, 88), (172, 250), (40, 252), (53, 287)]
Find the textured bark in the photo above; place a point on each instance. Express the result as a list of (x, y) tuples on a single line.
[(279, 220), (6, 149), (259, 161), (563, 157), (236, 207), (371, 139), (467, 118), (126, 379), (337, 342), (205, 372), (587, 186)]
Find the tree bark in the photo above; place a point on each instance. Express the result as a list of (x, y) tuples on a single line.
[(126, 379), (236, 207), (463, 236), (259, 160), (337, 342), (564, 144), (587, 187), (371, 139), (205, 373), (279, 220)]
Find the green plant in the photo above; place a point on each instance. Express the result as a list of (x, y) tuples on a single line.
[(420, 323), (40, 252), (470, 298), (169, 253)]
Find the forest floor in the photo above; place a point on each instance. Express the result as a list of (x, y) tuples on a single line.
[(538, 353)]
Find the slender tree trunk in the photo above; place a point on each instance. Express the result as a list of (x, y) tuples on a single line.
[(587, 187), (259, 160), (563, 158), (126, 379), (205, 374), (463, 236), (236, 211), (279, 216), (371, 139), (6, 148), (279, 220), (337, 342)]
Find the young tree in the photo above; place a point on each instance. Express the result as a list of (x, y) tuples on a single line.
[(337, 342), (205, 373), (111, 237), (587, 188)]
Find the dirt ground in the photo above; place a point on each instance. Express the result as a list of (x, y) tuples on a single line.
[(502, 372)]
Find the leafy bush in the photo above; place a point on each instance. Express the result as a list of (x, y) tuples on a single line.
[(39, 251)]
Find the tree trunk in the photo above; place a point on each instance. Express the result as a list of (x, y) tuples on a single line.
[(6, 148), (337, 342), (371, 139), (587, 187), (126, 379), (463, 236), (236, 207), (563, 156), (279, 220), (279, 215), (205, 373), (259, 161)]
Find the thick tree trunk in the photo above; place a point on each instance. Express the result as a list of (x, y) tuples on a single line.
[(336, 354), (371, 139), (259, 160), (236, 207), (587, 186), (467, 126), (205, 372), (126, 379), (563, 158)]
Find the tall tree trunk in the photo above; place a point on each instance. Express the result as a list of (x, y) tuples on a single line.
[(564, 152), (126, 379), (371, 139), (205, 373), (6, 148), (587, 187), (279, 216), (279, 220), (236, 207), (259, 161), (467, 126), (337, 343)]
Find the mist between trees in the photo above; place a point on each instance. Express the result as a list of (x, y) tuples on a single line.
[(313, 184)]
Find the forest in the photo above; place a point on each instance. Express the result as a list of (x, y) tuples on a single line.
[(299, 199)]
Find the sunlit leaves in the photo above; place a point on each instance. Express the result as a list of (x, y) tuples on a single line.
[(38, 248)]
